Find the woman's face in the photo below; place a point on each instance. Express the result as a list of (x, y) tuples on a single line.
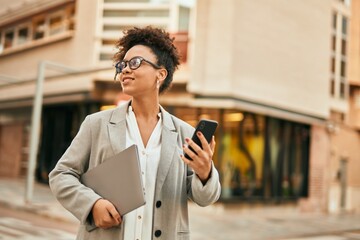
[(143, 80)]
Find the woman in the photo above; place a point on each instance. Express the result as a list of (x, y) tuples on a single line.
[(146, 62)]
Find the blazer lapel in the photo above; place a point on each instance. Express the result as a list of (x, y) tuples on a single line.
[(117, 128), (169, 145)]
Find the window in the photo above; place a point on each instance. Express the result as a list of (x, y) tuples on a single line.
[(342, 90), (39, 29), (333, 65), (9, 39), (136, 13), (69, 19), (343, 68), (332, 87), (23, 35), (338, 63), (343, 47), (344, 25), (333, 42), (56, 25)]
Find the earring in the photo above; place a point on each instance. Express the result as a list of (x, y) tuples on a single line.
[(157, 83)]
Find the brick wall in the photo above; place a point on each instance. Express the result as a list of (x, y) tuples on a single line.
[(11, 141)]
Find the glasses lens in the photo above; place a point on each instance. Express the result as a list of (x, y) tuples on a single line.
[(122, 65), (135, 63)]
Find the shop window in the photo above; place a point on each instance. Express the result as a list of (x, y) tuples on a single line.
[(258, 157)]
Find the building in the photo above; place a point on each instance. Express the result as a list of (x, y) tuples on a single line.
[(284, 71), (79, 35), (281, 78)]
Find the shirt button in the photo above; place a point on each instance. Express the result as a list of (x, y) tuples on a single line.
[(142, 173), (158, 204), (143, 152), (139, 217), (157, 233)]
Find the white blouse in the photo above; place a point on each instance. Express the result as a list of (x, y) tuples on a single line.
[(138, 223)]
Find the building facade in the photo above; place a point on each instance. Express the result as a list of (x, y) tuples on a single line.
[(79, 35), (284, 70), (281, 79)]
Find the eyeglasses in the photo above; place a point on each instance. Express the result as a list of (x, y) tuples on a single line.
[(134, 63)]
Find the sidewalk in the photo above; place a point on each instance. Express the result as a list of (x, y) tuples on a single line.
[(217, 222)]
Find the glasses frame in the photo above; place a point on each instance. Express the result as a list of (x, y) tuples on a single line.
[(119, 70)]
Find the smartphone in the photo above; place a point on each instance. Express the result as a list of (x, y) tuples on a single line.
[(207, 128)]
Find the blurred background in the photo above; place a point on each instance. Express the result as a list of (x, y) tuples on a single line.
[(281, 77)]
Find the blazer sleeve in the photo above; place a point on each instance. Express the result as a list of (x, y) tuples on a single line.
[(204, 194), (64, 179)]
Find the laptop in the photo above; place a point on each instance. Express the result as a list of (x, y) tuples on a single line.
[(118, 179)]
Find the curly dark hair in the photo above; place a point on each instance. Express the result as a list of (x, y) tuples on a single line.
[(159, 41)]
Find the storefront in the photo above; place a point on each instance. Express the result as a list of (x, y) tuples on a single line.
[(258, 157)]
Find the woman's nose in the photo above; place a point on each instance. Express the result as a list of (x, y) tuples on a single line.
[(126, 69)]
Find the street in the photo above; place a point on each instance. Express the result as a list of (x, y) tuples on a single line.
[(18, 224), (22, 225)]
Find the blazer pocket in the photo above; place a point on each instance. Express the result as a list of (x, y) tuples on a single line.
[(183, 235)]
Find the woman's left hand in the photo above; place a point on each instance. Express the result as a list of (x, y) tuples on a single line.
[(201, 159)]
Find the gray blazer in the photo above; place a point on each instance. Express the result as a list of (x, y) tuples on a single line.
[(102, 135)]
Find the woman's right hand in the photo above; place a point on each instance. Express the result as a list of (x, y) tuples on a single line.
[(105, 214)]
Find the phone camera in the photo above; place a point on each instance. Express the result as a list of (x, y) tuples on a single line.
[(202, 125)]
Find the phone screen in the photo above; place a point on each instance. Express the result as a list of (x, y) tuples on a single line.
[(207, 128)]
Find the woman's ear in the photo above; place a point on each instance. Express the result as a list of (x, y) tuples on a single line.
[(162, 74)]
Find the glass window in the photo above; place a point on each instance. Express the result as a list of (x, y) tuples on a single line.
[(56, 25), (333, 65), (334, 20), (344, 25), (342, 90), (39, 29), (136, 13), (332, 87), (9, 39), (70, 17), (106, 56), (1, 42), (257, 156), (333, 42), (184, 17), (138, 1), (343, 47), (23, 35), (343, 68)]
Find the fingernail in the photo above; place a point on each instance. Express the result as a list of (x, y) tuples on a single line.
[(198, 133), (187, 139)]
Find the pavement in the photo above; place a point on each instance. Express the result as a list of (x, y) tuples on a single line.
[(217, 222)]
